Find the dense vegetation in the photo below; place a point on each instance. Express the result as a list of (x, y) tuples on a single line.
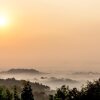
[(89, 92), (10, 82), (26, 93), (11, 89)]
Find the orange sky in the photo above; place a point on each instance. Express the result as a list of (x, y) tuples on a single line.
[(51, 34)]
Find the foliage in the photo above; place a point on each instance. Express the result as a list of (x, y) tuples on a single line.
[(8, 95), (27, 92), (90, 92), (16, 97), (15, 87)]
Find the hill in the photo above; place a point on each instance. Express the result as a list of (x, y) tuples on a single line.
[(21, 71), (40, 91)]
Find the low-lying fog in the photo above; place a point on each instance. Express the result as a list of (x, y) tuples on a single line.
[(55, 80)]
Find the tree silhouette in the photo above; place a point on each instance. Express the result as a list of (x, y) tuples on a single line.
[(51, 97), (61, 93), (8, 95), (1, 94), (16, 97), (74, 94), (91, 91), (27, 92)]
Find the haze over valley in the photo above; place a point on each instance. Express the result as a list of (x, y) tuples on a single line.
[(51, 79)]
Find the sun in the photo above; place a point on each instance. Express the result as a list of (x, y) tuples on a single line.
[(3, 21)]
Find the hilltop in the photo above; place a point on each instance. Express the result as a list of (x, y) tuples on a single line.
[(21, 71)]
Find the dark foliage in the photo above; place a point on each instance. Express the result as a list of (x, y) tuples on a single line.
[(90, 92), (16, 97), (8, 95), (27, 92), (15, 87)]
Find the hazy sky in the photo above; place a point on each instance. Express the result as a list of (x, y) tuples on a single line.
[(50, 34)]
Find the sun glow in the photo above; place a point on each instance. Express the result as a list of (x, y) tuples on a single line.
[(3, 21)]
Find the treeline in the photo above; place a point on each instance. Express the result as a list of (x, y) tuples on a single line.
[(10, 82), (26, 93), (40, 91), (89, 92)]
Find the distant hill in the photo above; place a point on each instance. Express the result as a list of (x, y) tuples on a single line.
[(62, 80), (10, 82), (21, 71), (40, 91), (86, 73)]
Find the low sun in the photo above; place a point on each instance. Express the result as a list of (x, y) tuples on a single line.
[(3, 21)]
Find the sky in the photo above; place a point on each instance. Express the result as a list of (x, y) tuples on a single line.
[(50, 34)]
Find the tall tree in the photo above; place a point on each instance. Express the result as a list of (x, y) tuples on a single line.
[(8, 95), (16, 97), (51, 97), (1, 95), (27, 92), (61, 93)]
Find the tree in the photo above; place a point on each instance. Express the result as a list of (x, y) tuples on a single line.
[(74, 94), (51, 97), (16, 97), (61, 93), (1, 95), (27, 92), (8, 95), (91, 91)]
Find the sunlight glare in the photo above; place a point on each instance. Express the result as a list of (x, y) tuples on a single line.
[(3, 21)]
